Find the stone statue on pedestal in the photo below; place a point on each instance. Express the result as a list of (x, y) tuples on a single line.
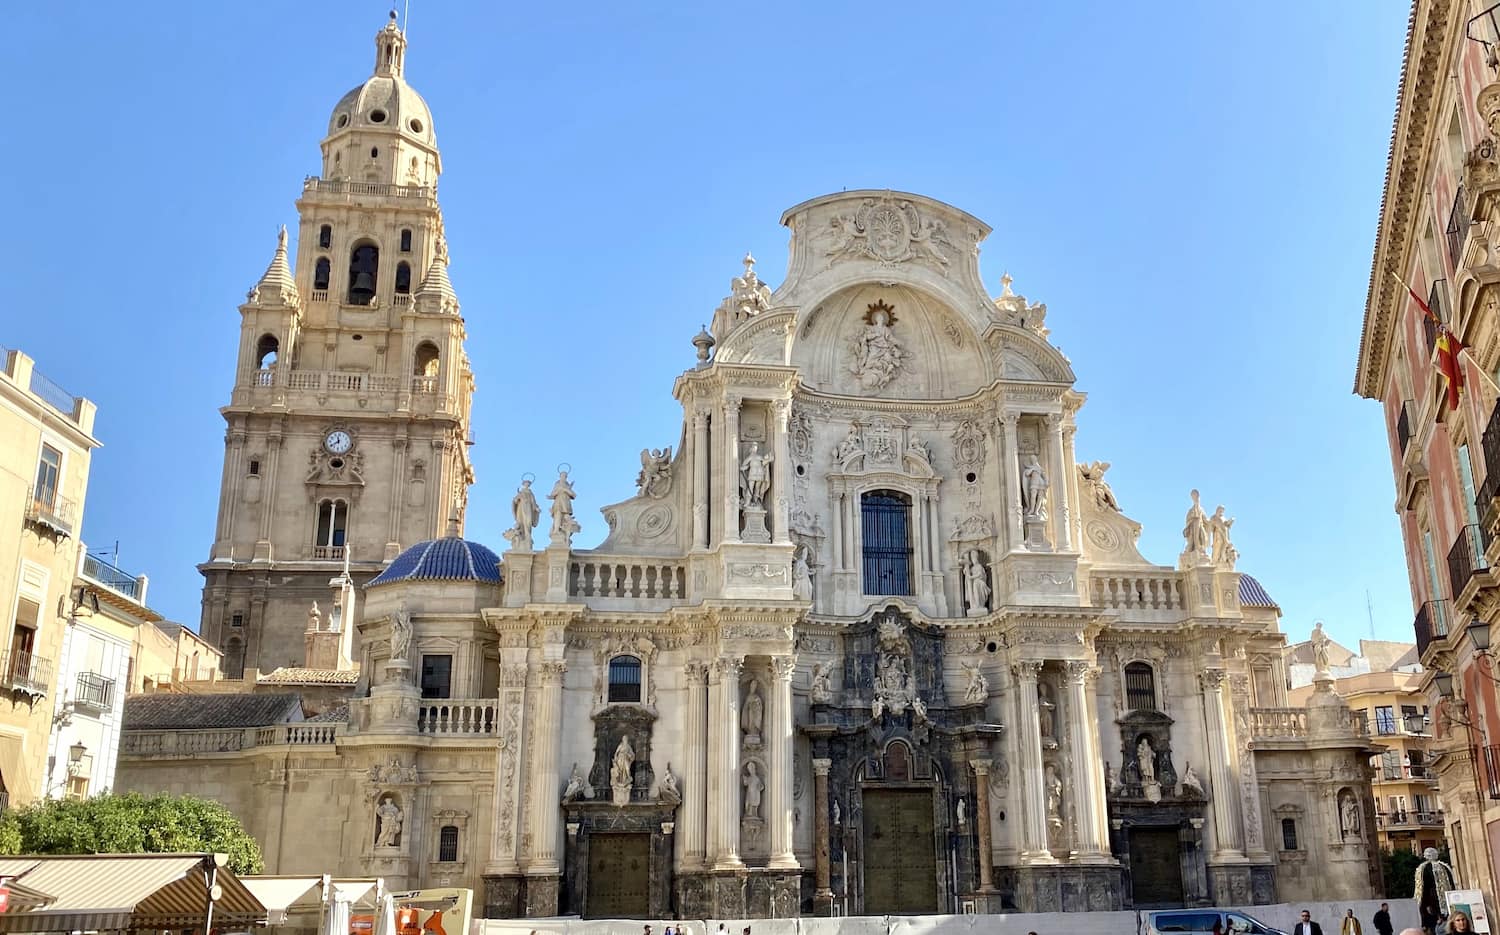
[(753, 714), (1320, 643), (667, 791), (400, 634), (562, 496), (524, 508), (1191, 782), (978, 689), (821, 691), (976, 585), (1195, 533), (1093, 475), (754, 786), (1349, 815), (1224, 552), (388, 821), (314, 618), (802, 584), (620, 775), (578, 787), (1033, 488), (1145, 756)]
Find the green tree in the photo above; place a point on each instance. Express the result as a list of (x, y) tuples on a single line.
[(1400, 872), (130, 824)]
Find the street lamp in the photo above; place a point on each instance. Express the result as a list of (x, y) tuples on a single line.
[(1444, 683), (1479, 633), (75, 757)]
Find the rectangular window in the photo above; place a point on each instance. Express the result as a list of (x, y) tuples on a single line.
[(437, 676), (254, 467), (1385, 720), (237, 621), (48, 477), (1289, 834), (886, 529), (448, 844), (1390, 765), (1434, 590)]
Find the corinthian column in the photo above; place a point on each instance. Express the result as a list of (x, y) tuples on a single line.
[(726, 811), (701, 482), (1092, 833), (695, 795), (1029, 741), (1011, 465), (781, 471), (779, 751), (544, 818), (822, 857), (1221, 774), (1063, 518), (731, 478), (981, 770)]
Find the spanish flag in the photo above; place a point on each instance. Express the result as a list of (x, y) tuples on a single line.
[(1452, 369)]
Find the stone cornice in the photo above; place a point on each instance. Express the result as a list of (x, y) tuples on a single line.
[(1422, 79)]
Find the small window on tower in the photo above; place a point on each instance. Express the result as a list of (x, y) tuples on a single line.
[(406, 240), (374, 152), (254, 468), (321, 273), (403, 278), (325, 236), (237, 621)]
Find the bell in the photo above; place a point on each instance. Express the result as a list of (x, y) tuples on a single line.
[(364, 282)]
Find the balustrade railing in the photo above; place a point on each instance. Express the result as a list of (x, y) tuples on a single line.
[(318, 295), (328, 553), (424, 385), (1124, 591), (342, 381), (626, 577), (457, 717), (401, 299), (349, 187), (1278, 723), (178, 742)]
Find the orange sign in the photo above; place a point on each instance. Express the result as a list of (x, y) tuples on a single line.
[(424, 912)]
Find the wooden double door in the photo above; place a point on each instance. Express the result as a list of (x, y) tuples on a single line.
[(619, 884), (1156, 867), (900, 852)]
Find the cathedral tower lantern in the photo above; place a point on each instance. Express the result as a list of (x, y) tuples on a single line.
[(348, 423)]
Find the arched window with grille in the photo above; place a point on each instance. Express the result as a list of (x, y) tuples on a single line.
[(625, 679), (364, 265), (1140, 687), (322, 272), (885, 526), (325, 237), (448, 844)]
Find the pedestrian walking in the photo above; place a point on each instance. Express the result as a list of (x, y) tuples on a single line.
[(1307, 926), (1459, 922), (1351, 925), (1382, 920)]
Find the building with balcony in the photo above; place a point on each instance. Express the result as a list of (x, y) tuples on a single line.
[(1436, 232), (1408, 813), (44, 474)]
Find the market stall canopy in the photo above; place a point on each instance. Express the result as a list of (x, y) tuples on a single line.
[(283, 895), (119, 891)]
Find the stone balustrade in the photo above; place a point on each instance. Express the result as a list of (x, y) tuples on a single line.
[(185, 742), (1278, 723), (457, 717), (627, 578), (1137, 591)]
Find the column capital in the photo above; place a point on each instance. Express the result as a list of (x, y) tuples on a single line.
[(551, 671), (732, 403), (1027, 670), (1009, 418), (821, 765), (700, 419), (728, 666), (1211, 679), (1079, 671), (1053, 423), (513, 675), (981, 768), (783, 667), (696, 670), (782, 408)]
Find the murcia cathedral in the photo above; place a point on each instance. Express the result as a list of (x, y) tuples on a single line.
[(867, 639)]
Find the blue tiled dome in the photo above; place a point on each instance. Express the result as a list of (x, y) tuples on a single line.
[(1254, 594), (447, 559)]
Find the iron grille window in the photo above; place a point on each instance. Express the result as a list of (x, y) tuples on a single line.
[(1140, 687), (94, 691), (448, 844), (625, 679), (1385, 720), (1289, 834), (886, 527), (437, 676)]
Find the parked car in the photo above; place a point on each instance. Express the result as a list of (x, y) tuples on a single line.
[(1201, 922)]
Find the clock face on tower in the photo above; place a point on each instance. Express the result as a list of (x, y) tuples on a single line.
[(338, 442)]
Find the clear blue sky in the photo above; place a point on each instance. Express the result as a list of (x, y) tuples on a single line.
[(1193, 193)]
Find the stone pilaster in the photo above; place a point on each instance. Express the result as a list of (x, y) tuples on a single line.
[(508, 773), (544, 819), (725, 812), (730, 480), (1034, 847), (822, 856), (781, 472), (1227, 826), (779, 741), (1092, 833), (1010, 460), (695, 792), (701, 480), (1062, 517)]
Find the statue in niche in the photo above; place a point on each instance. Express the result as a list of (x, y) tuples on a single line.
[(668, 791), (802, 583), (1195, 532), (1047, 711), (1349, 815), (655, 479), (1191, 782), (976, 584), (1093, 475), (755, 477), (388, 821), (562, 497), (962, 811), (620, 775), (524, 508), (1034, 488), (754, 786), (875, 356), (1145, 758), (753, 713), (1053, 785), (837, 814), (821, 691), (1224, 553), (578, 787), (853, 444), (400, 634), (314, 618), (895, 687), (978, 689)]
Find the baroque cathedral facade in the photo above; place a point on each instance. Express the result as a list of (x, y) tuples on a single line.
[(868, 639)]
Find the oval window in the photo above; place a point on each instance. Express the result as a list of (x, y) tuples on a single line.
[(343, 121), (416, 125), (377, 116)]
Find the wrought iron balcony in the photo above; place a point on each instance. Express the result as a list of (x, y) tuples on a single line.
[(98, 570), (26, 672), (1489, 489), (1431, 623), (1492, 769), (94, 691), (51, 511), (1458, 225), (1465, 559)]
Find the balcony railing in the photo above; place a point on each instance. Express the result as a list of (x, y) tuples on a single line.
[(1420, 772), (1431, 623), (97, 569), (1271, 723), (94, 691), (1489, 444), (1458, 225), (328, 553), (1492, 769), (50, 509), (1466, 557), (347, 187), (1403, 425), (626, 577), (1434, 819), (180, 742), (457, 718), (1149, 591), (26, 672)]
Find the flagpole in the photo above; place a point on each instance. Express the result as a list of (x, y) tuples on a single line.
[(1463, 348)]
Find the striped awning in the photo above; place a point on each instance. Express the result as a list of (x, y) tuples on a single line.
[(119, 891)]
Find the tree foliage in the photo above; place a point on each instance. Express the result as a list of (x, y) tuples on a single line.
[(130, 824), (1400, 868)]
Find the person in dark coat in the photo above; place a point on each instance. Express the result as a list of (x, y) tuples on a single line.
[(1382, 920), (1307, 926)]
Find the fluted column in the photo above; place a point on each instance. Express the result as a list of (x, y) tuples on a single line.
[(981, 770), (1092, 834), (544, 817), (1226, 817), (727, 809), (779, 751), (701, 481), (730, 480), (1029, 741), (713, 763), (695, 794), (822, 855), (1011, 465), (1062, 533), (1070, 480), (781, 471)]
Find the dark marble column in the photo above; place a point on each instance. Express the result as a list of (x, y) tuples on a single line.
[(823, 869)]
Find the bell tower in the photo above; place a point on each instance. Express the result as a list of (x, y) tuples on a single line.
[(348, 424)]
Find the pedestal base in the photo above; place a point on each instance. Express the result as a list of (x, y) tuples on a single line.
[(755, 525), (742, 894), (502, 896), (542, 896), (1064, 888), (1230, 884)]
